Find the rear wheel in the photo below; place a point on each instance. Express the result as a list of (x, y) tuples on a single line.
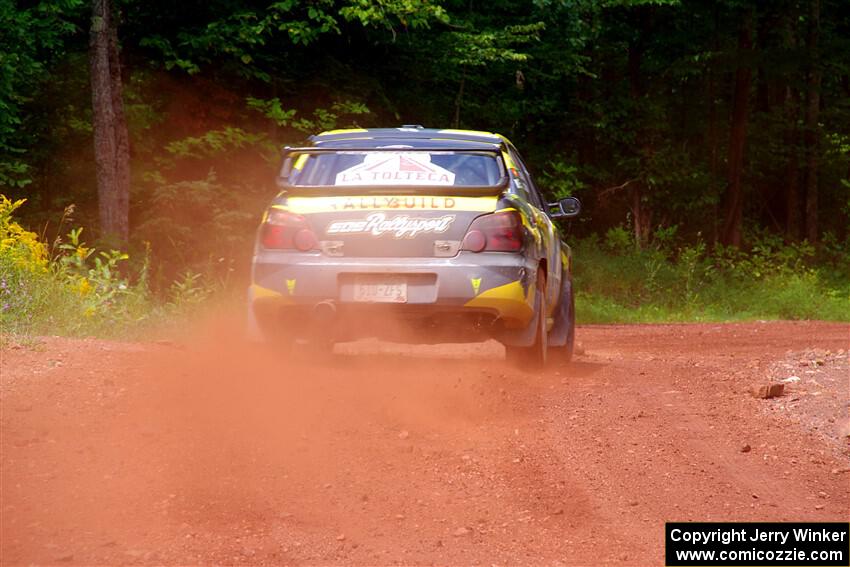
[(564, 354), (569, 348), (534, 356)]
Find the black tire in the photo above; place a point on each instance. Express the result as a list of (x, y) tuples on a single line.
[(564, 354), (534, 357), (569, 348)]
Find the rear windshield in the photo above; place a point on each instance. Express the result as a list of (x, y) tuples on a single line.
[(419, 168)]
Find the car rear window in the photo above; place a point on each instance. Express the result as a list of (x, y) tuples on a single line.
[(414, 168)]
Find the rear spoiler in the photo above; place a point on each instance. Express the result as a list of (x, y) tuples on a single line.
[(467, 190)]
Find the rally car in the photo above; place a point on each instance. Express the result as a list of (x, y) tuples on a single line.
[(413, 235)]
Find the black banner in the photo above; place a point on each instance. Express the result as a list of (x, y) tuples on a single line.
[(757, 543)]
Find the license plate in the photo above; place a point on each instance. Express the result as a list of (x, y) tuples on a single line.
[(380, 289)]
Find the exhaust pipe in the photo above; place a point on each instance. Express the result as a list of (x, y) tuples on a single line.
[(324, 311)]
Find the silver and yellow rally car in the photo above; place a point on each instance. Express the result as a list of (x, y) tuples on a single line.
[(413, 235)]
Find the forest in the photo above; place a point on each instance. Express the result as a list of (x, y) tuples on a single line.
[(709, 141)]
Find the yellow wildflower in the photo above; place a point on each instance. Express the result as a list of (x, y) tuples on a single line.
[(83, 287)]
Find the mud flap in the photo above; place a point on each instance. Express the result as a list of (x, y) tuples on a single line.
[(523, 337), (560, 332), (253, 334)]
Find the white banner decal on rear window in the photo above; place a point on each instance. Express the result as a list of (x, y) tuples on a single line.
[(377, 224), (395, 169)]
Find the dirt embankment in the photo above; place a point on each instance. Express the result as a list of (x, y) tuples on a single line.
[(211, 452)]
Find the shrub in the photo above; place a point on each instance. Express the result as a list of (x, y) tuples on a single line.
[(80, 291), (616, 282), (19, 247)]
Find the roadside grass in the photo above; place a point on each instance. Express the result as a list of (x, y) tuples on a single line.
[(48, 303), (72, 289), (618, 283)]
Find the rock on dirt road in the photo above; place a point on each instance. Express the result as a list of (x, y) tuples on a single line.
[(212, 452)]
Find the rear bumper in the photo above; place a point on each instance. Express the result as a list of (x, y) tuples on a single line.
[(492, 292)]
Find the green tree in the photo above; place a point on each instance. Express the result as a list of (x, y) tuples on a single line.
[(33, 38)]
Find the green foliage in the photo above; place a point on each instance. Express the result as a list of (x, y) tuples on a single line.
[(216, 142), (322, 119), (33, 37), (96, 276), (618, 283), (619, 240), (388, 14), (480, 48), (561, 179), (247, 36), (240, 34), (273, 110), (198, 225), (80, 291), (20, 248), (190, 289)]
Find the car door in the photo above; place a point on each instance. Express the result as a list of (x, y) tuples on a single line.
[(551, 236)]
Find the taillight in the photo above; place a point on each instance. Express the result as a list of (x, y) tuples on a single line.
[(496, 232), (286, 231)]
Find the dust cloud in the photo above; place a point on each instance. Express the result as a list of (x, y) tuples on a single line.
[(263, 432), (185, 444)]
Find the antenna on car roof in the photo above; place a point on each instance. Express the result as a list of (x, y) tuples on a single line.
[(417, 126)]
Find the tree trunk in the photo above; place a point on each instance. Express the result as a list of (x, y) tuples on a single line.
[(641, 210), (733, 200), (792, 170), (459, 100), (812, 132), (642, 216), (111, 142), (713, 137), (791, 109)]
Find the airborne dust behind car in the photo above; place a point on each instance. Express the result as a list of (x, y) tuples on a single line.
[(413, 235)]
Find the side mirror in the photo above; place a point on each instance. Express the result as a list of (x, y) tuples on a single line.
[(566, 208)]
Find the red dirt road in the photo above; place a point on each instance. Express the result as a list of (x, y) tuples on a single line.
[(119, 453)]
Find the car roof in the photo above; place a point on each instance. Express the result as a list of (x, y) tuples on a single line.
[(412, 136)]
